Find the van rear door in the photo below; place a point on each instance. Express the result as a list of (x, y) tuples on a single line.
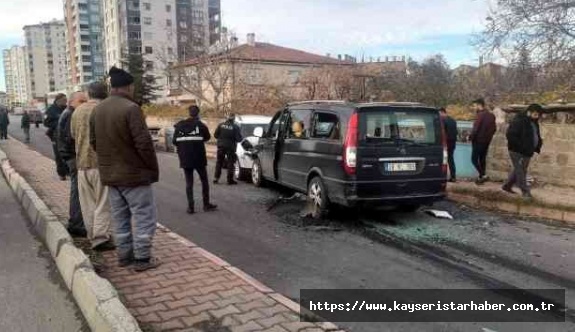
[(400, 152)]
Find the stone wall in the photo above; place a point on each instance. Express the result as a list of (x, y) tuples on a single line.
[(555, 165)]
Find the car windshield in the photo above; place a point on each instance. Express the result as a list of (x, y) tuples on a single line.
[(247, 129), (400, 125)]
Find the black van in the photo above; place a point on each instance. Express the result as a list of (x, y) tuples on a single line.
[(367, 154)]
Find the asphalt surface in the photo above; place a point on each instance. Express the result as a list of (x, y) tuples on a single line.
[(269, 240), (33, 296)]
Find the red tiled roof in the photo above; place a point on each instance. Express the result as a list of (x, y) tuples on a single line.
[(273, 53)]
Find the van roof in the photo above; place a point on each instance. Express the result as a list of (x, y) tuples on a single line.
[(358, 105), (256, 119)]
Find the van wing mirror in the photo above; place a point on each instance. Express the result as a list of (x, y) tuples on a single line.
[(259, 132)]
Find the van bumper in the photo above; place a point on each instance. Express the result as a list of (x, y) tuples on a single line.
[(346, 194)]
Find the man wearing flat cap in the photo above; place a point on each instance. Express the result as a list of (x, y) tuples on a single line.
[(128, 166)]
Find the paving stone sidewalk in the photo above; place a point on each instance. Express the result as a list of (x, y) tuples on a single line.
[(192, 290)]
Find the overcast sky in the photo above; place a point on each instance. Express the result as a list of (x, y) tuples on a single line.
[(377, 28)]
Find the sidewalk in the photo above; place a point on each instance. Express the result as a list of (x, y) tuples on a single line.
[(548, 202), (192, 290), (32, 295)]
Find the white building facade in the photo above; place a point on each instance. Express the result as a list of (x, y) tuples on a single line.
[(46, 57), (15, 74)]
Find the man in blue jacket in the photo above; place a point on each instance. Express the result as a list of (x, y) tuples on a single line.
[(190, 136)]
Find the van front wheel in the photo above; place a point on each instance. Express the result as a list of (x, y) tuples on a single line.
[(318, 198), (257, 176)]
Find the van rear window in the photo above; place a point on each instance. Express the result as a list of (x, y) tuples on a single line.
[(393, 125)]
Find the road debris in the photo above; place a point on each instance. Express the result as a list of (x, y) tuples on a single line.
[(439, 214)]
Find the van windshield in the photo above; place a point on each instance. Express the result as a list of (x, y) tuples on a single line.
[(399, 125)]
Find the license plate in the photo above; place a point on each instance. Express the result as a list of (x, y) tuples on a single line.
[(400, 167)]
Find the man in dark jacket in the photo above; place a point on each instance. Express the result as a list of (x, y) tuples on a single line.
[(4, 122), (482, 133), (450, 127), (228, 135), (523, 140), (190, 136), (25, 125), (128, 166), (67, 152), (51, 122)]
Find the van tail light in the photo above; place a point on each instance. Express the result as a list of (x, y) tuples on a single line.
[(350, 146), (444, 165)]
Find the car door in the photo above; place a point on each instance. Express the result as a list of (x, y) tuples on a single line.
[(271, 146), (293, 166)]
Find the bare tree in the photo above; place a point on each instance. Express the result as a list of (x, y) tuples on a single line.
[(546, 28)]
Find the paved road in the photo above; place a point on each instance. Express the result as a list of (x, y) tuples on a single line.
[(374, 250), (32, 294)]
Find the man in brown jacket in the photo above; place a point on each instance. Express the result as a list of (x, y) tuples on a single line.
[(128, 166), (93, 195), (482, 133)]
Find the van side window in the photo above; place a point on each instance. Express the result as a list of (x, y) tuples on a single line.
[(279, 121), (326, 126), (300, 121)]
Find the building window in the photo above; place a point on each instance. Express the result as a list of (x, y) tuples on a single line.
[(183, 24), (168, 23), (147, 20), (170, 51), (149, 65), (149, 50), (183, 38), (135, 35), (168, 8), (148, 35), (147, 6), (134, 20)]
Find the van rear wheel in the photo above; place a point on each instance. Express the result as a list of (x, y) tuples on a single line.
[(409, 207), (318, 198)]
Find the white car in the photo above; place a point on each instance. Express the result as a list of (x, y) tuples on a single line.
[(248, 125)]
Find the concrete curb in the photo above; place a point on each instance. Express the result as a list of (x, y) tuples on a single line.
[(97, 298), (515, 207)]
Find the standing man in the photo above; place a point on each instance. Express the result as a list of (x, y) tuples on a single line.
[(450, 127), (523, 140), (228, 135), (128, 166), (25, 124), (190, 136), (4, 122), (482, 133), (93, 195), (51, 122), (67, 152)]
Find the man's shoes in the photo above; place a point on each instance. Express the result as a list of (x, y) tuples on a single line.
[(481, 180), (232, 183), (210, 207), (452, 180), (106, 246), (190, 210), (508, 190), (125, 262), (77, 233), (142, 265), (62, 178), (216, 181), (527, 196)]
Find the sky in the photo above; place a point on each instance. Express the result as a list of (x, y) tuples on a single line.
[(374, 28)]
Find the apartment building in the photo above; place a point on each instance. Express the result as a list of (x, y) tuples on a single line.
[(47, 68), (84, 41), (15, 74), (215, 20), (163, 31)]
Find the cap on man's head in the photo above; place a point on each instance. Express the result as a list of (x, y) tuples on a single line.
[(535, 108), (194, 111), (479, 101), (120, 78)]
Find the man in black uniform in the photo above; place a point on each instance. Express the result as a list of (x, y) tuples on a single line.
[(190, 136), (51, 122), (228, 135)]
